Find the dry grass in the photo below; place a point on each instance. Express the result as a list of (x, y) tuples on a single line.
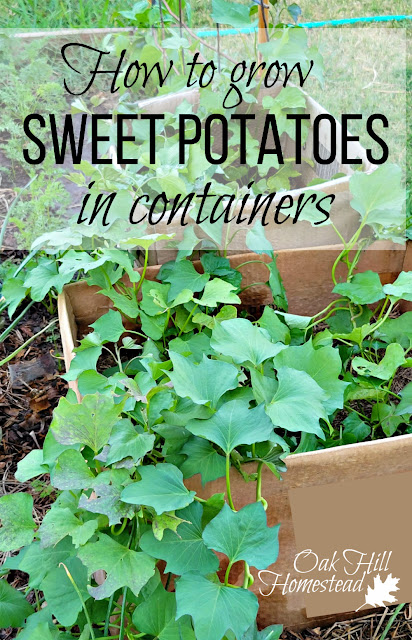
[(370, 627)]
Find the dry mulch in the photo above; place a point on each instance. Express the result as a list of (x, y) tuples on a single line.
[(30, 387), (370, 627)]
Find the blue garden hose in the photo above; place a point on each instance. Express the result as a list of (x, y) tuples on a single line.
[(308, 25)]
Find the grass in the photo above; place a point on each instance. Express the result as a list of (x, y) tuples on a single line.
[(340, 91), (25, 14)]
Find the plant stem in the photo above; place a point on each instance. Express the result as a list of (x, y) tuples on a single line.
[(122, 612), (259, 482), (108, 612), (253, 284), (328, 307), (228, 491), (77, 590), (146, 259), (25, 344), (15, 322), (247, 578), (391, 620), (187, 320), (25, 261), (229, 566)]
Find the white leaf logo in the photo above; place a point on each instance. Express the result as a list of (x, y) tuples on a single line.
[(381, 592)]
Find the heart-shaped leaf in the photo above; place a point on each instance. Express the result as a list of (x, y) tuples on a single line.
[(244, 535), (298, 402), (184, 550), (160, 487), (123, 566), (243, 341), (17, 521), (233, 424), (215, 609), (203, 382), (89, 422)]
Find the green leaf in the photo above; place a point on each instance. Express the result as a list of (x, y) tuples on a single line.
[(124, 260), (39, 626), (160, 487), (165, 521), (60, 522), (145, 241), (14, 292), (401, 289), (263, 387), (156, 617), (278, 330), (294, 11), (355, 426), (31, 466), (152, 294), (385, 415), (124, 567), (109, 326), (364, 288), (276, 286), (127, 441), (293, 321), (377, 193), (203, 382), (14, 608), (405, 405), (256, 240), (16, 517), (128, 306), (233, 424), (323, 365), (243, 341), (211, 507), (52, 449), (37, 562), (183, 275), (244, 535), (215, 609), (71, 472), (219, 291), (44, 278), (185, 550), (83, 360), (232, 13), (60, 594), (89, 422), (298, 402), (386, 368), (397, 330), (202, 458), (273, 632), (154, 326), (106, 500)]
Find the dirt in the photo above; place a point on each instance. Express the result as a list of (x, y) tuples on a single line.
[(26, 406)]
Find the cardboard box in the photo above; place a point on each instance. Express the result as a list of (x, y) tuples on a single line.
[(287, 235), (306, 274)]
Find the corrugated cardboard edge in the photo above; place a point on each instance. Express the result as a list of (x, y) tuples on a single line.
[(318, 467)]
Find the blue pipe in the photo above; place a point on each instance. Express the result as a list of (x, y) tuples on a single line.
[(309, 25)]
